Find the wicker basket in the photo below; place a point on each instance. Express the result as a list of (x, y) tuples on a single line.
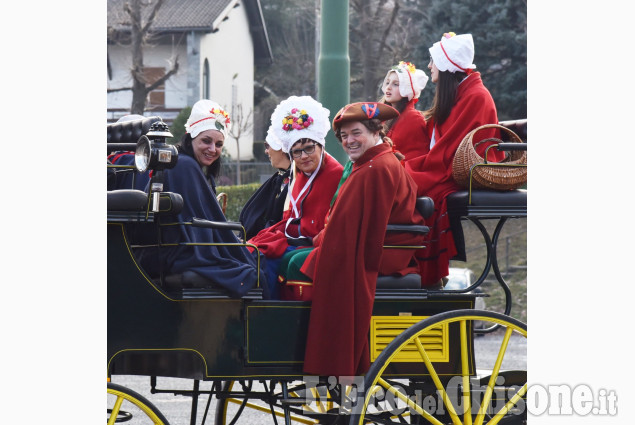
[(509, 174)]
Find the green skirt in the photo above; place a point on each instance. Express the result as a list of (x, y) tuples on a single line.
[(295, 285)]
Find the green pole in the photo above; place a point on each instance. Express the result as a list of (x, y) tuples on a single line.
[(334, 66)]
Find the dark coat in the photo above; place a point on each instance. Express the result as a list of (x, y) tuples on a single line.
[(264, 208), (231, 267)]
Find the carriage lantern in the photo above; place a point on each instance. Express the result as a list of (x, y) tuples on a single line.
[(153, 153)]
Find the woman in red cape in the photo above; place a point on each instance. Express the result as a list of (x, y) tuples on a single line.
[(461, 104)]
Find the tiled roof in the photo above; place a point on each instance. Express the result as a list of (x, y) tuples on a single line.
[(173, 15), (186, 15)]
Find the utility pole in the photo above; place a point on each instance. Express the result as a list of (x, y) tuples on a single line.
[(334, 67)]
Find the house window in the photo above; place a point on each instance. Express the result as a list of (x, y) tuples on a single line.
[(206, 79), (156, 98)]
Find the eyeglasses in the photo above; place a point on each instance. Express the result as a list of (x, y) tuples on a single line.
[(267, 146), (297, 153)]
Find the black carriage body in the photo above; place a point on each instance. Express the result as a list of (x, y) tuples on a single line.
[(155, 333)]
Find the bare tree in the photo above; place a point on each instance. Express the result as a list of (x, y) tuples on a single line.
[(383, 32), (241, 125), (292, 31), (141, 35), (375, 19)]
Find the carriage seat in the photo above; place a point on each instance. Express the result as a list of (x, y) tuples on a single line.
[(425, 206), (488, 203), (128, 131), (132, 200), (409, 281), (517, 126)]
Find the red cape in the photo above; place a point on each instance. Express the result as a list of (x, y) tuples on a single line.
[(313, 208), (409, 133), (433, 171), (345, 265)]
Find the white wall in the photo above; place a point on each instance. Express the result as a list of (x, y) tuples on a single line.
[(157, 56), (229, 51)]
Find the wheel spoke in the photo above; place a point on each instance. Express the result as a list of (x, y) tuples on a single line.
[(306, 407), (507, 407), (467, 416), (437, 382), (267, 410), (492, 380), (408, 401), (318, 402), (115, 410), (129, 396)]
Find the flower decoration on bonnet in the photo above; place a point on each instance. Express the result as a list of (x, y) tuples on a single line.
[(299, 117), (207, 115), (411, 80), (296, 120), (454, 53)]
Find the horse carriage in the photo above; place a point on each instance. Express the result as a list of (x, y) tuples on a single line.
[(425, 366)]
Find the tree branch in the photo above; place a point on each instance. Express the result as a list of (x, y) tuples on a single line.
[(163, 79), (120, 89), (153, 14), (134, 17), (393, 17), (268, 90), (380, 5), (355, 31), (242, 123)]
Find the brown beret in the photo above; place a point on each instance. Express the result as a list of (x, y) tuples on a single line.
[(362, 111)]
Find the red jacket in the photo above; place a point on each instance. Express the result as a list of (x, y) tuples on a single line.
[(349, 257), (433, 171), (409, 133)]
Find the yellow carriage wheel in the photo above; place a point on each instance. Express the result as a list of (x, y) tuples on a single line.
[(126, 405), (462, 397)]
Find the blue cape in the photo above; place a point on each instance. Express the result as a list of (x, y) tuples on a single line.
[(231, 267)]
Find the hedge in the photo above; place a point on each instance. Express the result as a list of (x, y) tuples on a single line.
[(237, 197)]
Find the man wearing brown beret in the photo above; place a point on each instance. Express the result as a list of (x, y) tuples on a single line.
[(349, 253)]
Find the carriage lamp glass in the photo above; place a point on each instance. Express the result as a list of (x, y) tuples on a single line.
[(154, 155), (142, 154)]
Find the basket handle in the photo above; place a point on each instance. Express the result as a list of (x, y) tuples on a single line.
[(492, 139)]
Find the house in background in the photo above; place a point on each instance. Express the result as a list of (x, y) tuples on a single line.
[(217, 43)]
